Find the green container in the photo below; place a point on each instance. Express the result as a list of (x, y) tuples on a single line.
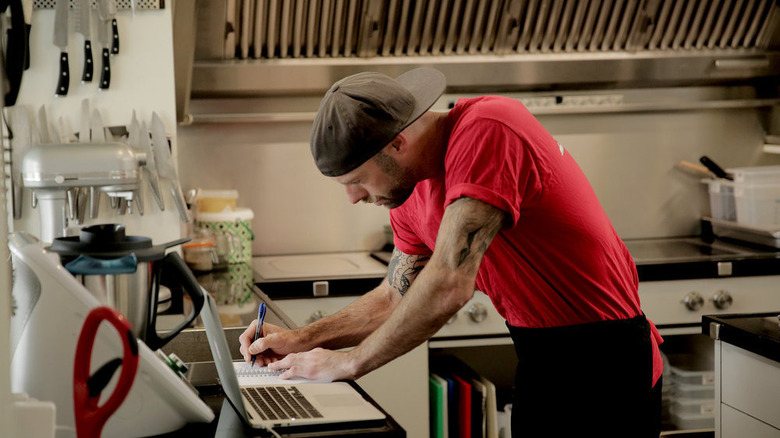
[(238, 223)]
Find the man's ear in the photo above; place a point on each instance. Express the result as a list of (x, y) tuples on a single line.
[(400, 143)]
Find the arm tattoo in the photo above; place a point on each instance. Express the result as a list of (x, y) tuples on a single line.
[(466, 231), (403, 269), (465, 252)]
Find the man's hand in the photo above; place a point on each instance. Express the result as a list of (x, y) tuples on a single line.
[(274, 344), (317, 364)]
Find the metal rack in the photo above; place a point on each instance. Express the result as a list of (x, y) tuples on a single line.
[(121, 5)]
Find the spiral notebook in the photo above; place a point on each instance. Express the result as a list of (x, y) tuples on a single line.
[(264, 401)]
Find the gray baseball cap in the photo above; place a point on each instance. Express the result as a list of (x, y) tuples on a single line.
[(362, 113)]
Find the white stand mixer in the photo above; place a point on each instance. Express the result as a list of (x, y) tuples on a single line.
[(66, 178)]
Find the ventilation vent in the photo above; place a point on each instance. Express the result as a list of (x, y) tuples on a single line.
[(272, 29)]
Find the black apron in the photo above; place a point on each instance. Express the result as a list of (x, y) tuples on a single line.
[(590, 379)]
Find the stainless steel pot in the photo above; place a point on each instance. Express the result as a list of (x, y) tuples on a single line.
[(126, 273)]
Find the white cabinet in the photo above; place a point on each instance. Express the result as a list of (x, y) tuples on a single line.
[(737, 424), (746, 392)]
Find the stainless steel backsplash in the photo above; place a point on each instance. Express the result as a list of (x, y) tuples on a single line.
[(630, 157)]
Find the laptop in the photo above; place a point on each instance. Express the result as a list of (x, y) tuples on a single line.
[(264, 401)]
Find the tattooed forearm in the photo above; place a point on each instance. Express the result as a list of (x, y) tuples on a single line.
[(403, 269)]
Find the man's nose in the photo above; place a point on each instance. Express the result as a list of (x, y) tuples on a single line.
[(354, 193)]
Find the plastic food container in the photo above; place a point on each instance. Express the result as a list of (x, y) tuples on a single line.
[(200, 255), (756, 174), (693, 406), (722, 204), (692, 377), (757, 204), (694, 391), (238, 223), (745, 203), (215, 201), (686, 421)]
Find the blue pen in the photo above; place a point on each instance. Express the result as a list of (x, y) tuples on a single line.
[(259, 327)]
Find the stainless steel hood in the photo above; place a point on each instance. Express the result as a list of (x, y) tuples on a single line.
[(300, 47)]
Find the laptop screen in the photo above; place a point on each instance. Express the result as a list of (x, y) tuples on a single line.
[(222, 358)]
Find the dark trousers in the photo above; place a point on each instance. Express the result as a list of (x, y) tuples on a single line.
[(586, 380)]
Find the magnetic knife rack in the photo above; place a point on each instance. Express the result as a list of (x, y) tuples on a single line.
[(121, 5)]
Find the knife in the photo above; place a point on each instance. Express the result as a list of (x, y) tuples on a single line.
[(15, 45), (714, 168), (98, 133), (150, 169), (105, 42), (61, 41), (114, 27), (165, 167), (21, 141), (83, 27), (43, 125), (66, 132), (27, 7), (84, 136)]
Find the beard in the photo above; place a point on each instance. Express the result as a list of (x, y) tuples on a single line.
[(404, 182)]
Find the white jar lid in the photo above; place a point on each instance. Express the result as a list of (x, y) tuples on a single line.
[(241, 214)]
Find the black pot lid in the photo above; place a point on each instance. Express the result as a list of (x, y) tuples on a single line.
[(108, 241)]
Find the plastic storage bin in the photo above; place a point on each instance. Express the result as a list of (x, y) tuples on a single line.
[(722, 203), (692, 421), (756, 174), (693, 406), (757, 204), (692, 377), (749, 204), (694, 391)]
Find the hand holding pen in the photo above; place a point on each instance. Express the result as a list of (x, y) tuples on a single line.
[(259, 327)]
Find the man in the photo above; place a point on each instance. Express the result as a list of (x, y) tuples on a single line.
[(481, 197)]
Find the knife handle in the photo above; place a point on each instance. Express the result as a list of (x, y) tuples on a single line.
[(63, 81), (87, 75), (114, 37), (27, 29), (105, 71)]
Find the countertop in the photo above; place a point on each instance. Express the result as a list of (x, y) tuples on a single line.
[(237, 299), (758, 333)]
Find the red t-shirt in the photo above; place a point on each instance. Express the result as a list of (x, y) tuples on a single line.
[(560, 262)]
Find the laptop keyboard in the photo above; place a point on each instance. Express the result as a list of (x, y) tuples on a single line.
[(280, 402)]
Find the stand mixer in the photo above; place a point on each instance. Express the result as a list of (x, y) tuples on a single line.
[(66, 178)]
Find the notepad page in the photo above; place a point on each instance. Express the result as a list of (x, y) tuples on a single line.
[(249, 375)]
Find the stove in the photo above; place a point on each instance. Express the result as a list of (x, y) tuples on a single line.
[(683, 279), (695, 257)]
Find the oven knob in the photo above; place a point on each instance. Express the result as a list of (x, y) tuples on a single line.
[(315, 316), (451, 320), (722, 299), (478, 312), (693, 301)]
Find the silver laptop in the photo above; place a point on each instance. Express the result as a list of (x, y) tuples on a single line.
[(272, 403)]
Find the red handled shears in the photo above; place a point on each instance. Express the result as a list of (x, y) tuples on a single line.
[(90, 418)]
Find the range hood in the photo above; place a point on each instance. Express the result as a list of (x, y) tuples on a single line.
[(300, 47)]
